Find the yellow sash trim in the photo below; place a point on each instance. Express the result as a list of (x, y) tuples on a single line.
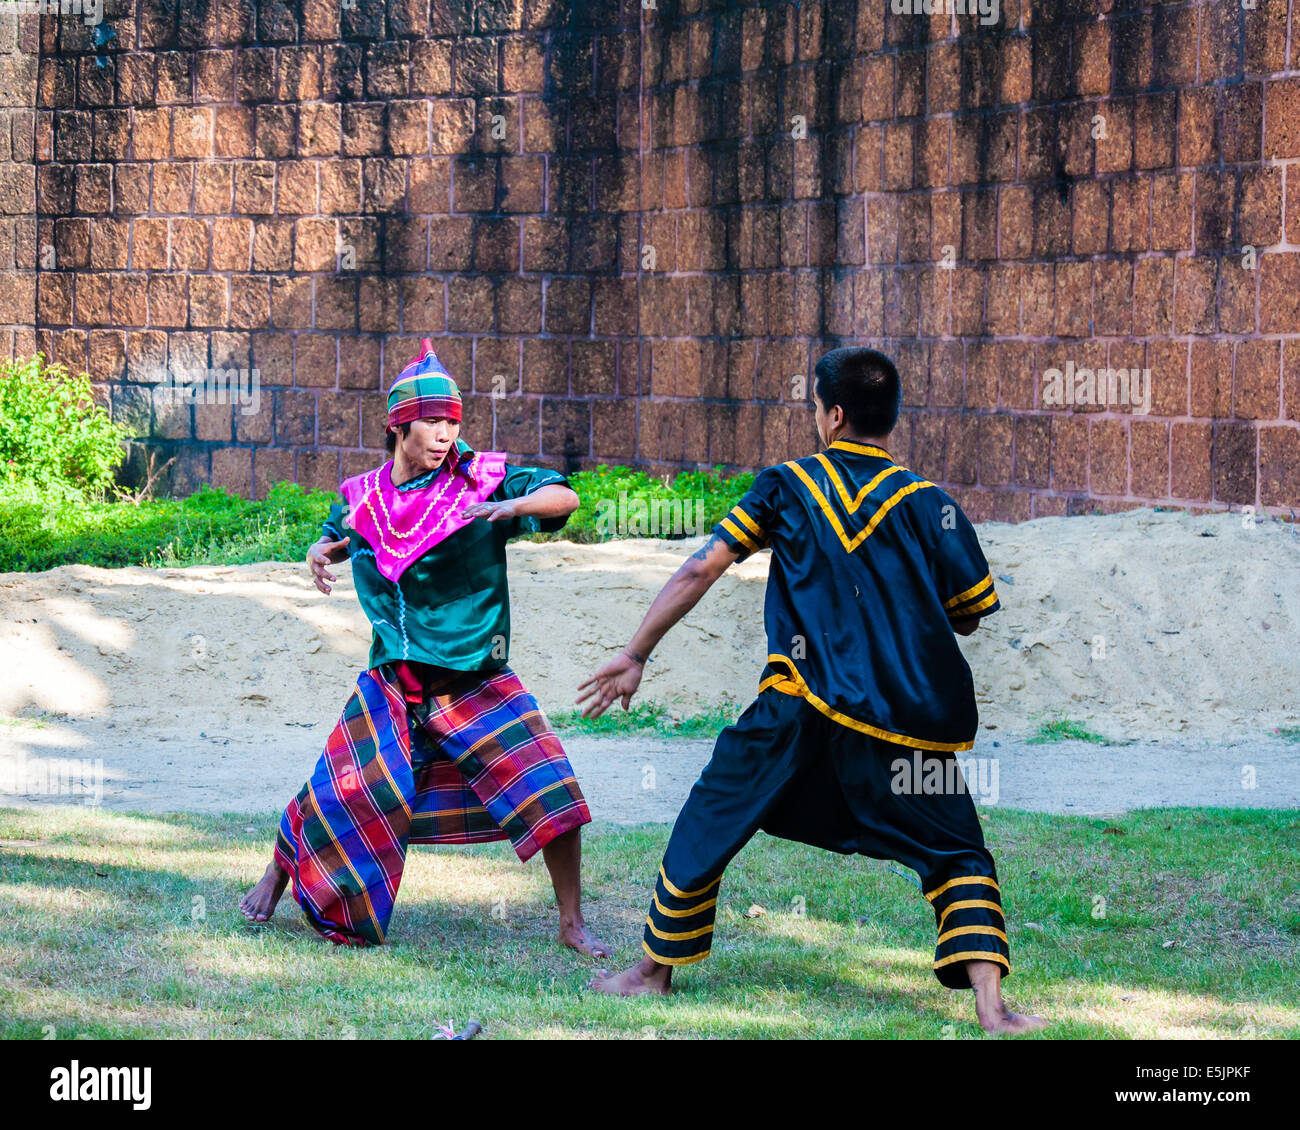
[(805, 692), (783, 683)]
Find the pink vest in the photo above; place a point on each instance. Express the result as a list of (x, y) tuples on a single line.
[(403, 525)]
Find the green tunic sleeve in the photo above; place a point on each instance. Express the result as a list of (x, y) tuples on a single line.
[(332, 528), (521, 481)]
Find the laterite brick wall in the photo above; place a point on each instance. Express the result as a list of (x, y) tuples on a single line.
[(637, 226)]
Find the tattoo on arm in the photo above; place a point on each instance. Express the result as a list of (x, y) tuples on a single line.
[(707, 548), (703, 552)]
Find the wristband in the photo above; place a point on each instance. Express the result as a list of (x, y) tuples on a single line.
[(632, 655)]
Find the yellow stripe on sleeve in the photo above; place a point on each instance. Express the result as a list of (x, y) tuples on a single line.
[(754, 527), (739, 534), (963, 597), (987, 602)]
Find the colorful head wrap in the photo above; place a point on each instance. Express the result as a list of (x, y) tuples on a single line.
[(424, 388)]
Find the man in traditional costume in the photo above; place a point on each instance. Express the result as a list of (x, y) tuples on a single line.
[(873, 570), (440, 742)]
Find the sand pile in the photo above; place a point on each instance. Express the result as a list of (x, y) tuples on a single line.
[(1141, 625)]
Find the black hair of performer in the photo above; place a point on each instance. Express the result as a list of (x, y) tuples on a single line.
[(873, 570)]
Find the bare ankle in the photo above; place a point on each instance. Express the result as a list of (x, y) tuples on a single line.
[(653, 970)]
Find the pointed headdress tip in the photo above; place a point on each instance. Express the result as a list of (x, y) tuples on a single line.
[(423, 388)]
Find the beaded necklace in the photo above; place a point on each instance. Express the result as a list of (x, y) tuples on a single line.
[(373, 491)]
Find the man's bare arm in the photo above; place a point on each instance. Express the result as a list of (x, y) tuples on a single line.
[(621, 676), (682, 592), (966, 626)]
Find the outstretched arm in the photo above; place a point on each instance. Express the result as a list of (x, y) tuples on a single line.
[(620, 677), (551, 501)]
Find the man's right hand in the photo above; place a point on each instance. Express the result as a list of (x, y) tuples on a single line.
[(619, 678), (319, 557)]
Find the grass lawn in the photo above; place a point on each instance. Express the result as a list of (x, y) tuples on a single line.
[(646, 719), (117, 925), (1063, 729)]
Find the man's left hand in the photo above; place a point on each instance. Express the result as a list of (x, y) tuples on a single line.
[(492, 511)]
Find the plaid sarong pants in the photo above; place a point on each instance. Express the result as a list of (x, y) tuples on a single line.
[(428, 756)]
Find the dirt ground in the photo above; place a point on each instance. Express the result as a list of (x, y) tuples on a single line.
[(211, 689)]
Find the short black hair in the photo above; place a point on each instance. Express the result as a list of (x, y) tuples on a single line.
[(390, 439), (865, 384)]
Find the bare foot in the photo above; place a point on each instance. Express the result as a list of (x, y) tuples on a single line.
[(1008, 1023), (259, 904), (647, 976), (578, 937), (994, 1016)]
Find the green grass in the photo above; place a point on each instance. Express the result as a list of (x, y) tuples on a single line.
[(648, 718), (1062, 729), (118, 926)]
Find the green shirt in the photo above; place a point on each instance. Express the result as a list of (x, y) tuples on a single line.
[(451, 607)]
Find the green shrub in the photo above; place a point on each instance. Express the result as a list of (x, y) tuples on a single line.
[(713, 492), (52, 433), (41, 528), (210, 527)]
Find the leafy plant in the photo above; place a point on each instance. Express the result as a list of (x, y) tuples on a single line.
[(52, 432), (710, 494), (212, 527)]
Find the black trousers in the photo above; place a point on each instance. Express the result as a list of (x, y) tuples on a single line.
[(790, 771)]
